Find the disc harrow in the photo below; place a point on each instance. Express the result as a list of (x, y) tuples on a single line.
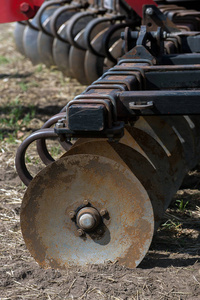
[(79, 37), (130, 138), (83, 39)]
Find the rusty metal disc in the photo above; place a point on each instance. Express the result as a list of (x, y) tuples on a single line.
[(123, 234), (30, 45), (46, 41), (61, 53), (61, 56), (61, 47), (76, 60), (147, 157), (93, 64), (116, 51), (143, 164), (45, 44), (18, 36)]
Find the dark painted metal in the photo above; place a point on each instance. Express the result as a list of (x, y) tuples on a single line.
[(42, 150), (21, 168), (176, 102)]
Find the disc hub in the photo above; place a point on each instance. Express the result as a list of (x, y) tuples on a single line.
[(88, 218)]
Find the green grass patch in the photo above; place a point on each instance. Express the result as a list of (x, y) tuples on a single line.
[(14, 116), (172, 225), (55, 151), (181, 204), (39, 68), (3, 60), (24, 86)]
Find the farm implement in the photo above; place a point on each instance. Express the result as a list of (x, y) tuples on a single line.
[(130, 138)]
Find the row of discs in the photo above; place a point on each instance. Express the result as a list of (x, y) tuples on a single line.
[(133, 180), (80, 39)]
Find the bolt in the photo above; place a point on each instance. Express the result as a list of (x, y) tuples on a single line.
[(103, 212), (149, 11), (80, 232), (164, 34), (154, 61), (59, 125), (99, 231), (72, 214), (87, 221), (24, 7), (85, 202)]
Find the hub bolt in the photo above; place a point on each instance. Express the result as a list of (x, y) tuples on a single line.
[(88, 218), (87, 221)]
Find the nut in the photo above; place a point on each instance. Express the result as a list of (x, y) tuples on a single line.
[(72, 214), (80, 232), (103, 212), (85, 202), (60, 125)]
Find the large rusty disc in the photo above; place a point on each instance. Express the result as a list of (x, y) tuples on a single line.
[(124, 234), (145, 165)]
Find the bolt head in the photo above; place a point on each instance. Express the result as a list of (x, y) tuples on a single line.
[(99, 231), (103, 212), (85, 202), (60, 125), (80, 232), (164, 34), (149, 11), (24, 7), (72, 214), (87, 221)]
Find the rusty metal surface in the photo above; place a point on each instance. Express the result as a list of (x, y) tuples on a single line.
[(185, 131), (49, 232), (171, 165), (142, 154), (151, 149), (135, 159)]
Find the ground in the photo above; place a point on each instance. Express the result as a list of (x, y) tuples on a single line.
[(29, 95)]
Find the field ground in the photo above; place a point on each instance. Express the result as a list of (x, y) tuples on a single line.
[(29, 95)]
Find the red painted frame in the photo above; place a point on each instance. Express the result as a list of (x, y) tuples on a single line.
[(18, 10), (137, 5)]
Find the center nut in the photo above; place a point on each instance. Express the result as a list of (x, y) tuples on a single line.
[(88, 218)]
